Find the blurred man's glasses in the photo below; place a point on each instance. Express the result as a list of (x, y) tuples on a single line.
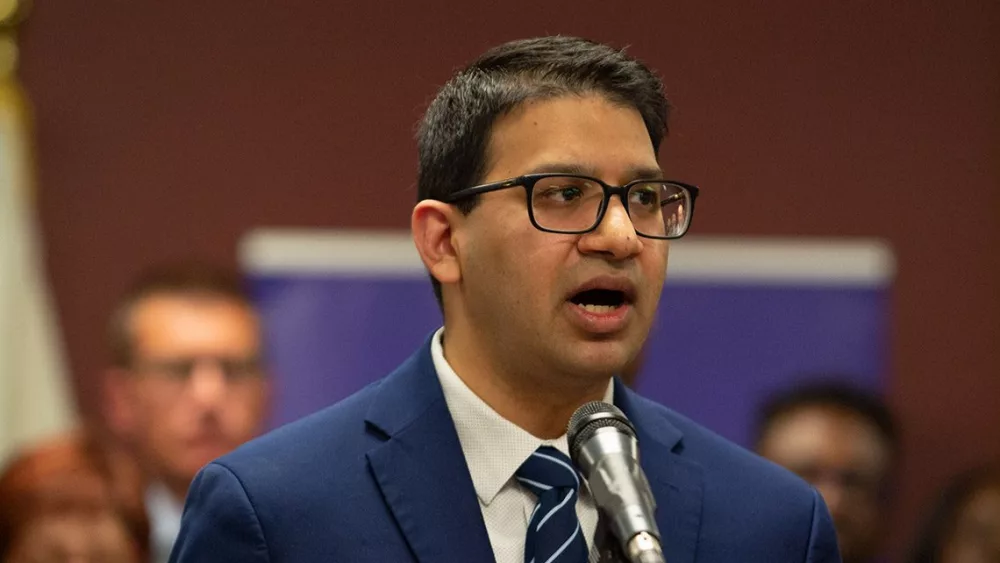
[(180, 370), (855, 484), (572, 204)]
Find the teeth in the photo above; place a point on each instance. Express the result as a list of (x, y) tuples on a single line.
[(597, 309)]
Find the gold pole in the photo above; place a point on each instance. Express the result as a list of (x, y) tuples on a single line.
[(16, 122), (12, 12), (35, 396)]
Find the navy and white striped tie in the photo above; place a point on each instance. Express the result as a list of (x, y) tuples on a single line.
[(554, 534)]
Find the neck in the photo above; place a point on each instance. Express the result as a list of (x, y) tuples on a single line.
[(178, 491), (177, 488), (541, 406), (150, 472)]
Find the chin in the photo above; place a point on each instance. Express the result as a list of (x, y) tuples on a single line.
[(599, 366), (612, 353)]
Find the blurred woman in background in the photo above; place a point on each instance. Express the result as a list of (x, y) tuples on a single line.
[(70, 501)]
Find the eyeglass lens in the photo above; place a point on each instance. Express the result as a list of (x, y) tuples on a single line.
[(572, 204)]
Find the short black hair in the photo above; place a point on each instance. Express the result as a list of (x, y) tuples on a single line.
[(826, 391), (453, 137), (195, 279)]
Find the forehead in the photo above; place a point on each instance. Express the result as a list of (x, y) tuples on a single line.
[(73, 530), (587, 132), (180, 321), (825, 434), (983, 506)]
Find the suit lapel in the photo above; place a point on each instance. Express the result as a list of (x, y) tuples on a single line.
[(675, 481), (425, 481), (421, 469)]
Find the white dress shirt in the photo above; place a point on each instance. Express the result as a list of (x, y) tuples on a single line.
[(164, 513), (494, 449)]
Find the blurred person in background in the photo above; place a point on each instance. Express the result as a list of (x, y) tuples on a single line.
[(843, 441), (68, 500), (964, 526), (187, 383)]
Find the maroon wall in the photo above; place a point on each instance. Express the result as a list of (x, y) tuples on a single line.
[(167, 129)]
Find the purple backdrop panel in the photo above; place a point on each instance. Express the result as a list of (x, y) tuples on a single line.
[(327, 336), (344, 311), (718, 351)]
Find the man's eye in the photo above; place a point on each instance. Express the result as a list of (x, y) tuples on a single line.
[(174, 370), (565, 193), (645, 196), (240, 369)]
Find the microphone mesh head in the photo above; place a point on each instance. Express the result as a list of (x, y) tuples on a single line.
[(590, 418)]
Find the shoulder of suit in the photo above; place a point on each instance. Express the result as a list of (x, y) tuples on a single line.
[(331, 428), (722, 459)]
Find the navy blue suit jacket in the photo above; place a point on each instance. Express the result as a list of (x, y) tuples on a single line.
[(381, 477)]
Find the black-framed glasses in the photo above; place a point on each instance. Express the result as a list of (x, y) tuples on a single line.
[(573, 204)]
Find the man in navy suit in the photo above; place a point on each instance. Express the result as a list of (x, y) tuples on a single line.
[(544, 220)]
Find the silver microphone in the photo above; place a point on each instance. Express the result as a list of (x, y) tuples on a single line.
[(604, 447)]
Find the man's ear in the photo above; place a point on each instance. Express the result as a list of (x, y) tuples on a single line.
[(433, 225), (118, 401)]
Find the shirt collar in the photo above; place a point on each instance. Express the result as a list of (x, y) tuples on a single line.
[(494, 447), (164, 513)]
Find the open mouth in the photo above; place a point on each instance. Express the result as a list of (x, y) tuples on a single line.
[(600, 301)]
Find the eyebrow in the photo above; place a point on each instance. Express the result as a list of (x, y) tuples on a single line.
[(638, 172)]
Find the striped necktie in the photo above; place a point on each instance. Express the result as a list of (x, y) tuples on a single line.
[(554, 534)]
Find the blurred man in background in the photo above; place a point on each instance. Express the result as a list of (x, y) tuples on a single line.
[(186, 385), (843, 441)]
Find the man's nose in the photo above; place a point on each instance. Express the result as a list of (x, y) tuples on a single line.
[(615, 236), (208, 382)]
